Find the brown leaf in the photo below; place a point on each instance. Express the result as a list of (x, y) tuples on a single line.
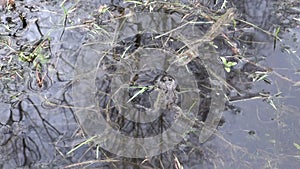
[(6, 3), (11, 2)]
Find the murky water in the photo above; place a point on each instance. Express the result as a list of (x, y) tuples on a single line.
[(72, 66), (258, 134)]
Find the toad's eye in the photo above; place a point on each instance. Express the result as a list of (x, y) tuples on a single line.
[(164, 79)]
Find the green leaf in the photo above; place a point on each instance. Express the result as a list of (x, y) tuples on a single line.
[(234, 23), (277, 31), (297, 146), (230, 64), (143, 89), (65, 10), (227, 69), (223, 60)]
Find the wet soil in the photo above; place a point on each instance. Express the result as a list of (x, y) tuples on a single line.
[(60, 62)]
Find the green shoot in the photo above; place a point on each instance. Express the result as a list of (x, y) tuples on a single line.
[(276, 36), (143, 89), (297, 146), (227, 65), (234, 23)]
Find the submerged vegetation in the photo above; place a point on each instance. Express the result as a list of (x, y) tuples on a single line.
[(48, 48)]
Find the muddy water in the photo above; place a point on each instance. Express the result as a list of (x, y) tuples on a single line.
[(39, 123), (134, 60), (256, 133)]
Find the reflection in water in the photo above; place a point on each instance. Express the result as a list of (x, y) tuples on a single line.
[(140, 59), (263, 128), (30, 132), (37, 123)]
